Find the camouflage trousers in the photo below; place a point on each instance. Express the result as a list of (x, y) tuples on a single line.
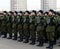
[(26, 30), (40, 35), (32, 31), (58, 31), (33, 34), (50, 30), (9, 28), (14, 28), (20, 29), (39, 30), (50, 36), (3, 28)]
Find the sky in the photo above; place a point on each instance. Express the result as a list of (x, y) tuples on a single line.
[(5, 4)]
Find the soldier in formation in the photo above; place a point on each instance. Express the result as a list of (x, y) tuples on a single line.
[(20, 26), (34, 26), (40, 27), (9, 24)]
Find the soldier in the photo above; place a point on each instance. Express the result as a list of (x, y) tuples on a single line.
[(19, 24), (40, 28), (26, 26), (55, 19), (14, 25), (45, 35), (1, 15), (46, 14), (50, 29), (57, 32), (9, 24), (58, 26), (3, 25), (32, 27)]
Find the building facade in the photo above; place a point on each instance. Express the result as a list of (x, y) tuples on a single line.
[(18, 5), (48, 4)]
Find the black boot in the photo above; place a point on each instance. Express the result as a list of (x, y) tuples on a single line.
[(40, 43), (26, 39), (15, 37), (10, 36), (46, 40), (54, 42), (21, 39), (5, 35), (33, 42), (59, 44), (0, 33), (50, 45)]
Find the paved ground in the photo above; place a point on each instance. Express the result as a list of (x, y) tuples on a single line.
[(10, 44)]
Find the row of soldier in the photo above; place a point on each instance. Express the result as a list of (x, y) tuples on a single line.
[(31, 26)]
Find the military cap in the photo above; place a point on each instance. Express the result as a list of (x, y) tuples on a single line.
[(5, 11), (27, 12), (51, 10), (15, 12), (46, 13), (40, 11), (34, 11), (11, 12), (20, 12), (54, 12)]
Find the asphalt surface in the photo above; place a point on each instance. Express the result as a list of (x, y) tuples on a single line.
[(11, 44)]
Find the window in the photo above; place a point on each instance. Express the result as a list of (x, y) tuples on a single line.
[(58, 5), (33, 4)]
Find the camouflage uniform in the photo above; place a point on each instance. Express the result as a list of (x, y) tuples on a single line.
[(56, 32), (3, 26), (26, 28), (50, 29), (19, 27), (14, 26), (0, 24), (58, 26), (9, 26), (40, 29), (32, 29)]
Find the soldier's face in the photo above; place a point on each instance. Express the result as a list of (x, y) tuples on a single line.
[(26, 14), (50, 13), (39, 14), (46, 14), (53, 14), (20, 14), (4, 13), (14, 14), (32, 14), (9, 13)]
